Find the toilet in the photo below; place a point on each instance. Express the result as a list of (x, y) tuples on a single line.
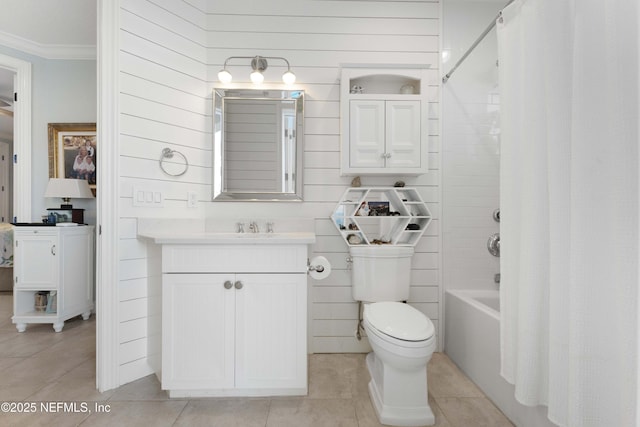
[(402, 338)]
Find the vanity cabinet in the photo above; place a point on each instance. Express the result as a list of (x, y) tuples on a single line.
[(384, 122), (234, 320), (55, 263)]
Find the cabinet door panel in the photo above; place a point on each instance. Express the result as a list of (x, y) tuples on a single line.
[(366, 134), (403, 134), (76, 284), (36, 261), (197, 331), (271, 331)]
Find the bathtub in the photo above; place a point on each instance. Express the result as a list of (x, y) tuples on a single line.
[(472, 341)]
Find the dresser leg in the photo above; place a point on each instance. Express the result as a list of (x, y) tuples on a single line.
[(58, 326), (21, 327)]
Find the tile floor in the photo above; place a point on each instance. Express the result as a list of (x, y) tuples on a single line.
[(40, 365)]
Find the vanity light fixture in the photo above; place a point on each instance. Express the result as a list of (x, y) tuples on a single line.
[(258, 65)]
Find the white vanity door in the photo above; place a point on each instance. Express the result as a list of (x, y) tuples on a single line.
[(271, 326), (197, 331)]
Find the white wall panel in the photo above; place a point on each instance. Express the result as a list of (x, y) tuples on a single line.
[(163, 74), (326, 8), (163, 104), (315, 24), (170, 55)]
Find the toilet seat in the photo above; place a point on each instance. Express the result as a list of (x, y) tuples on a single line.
[(399, 321)]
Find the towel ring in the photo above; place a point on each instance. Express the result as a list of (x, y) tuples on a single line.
[(168, 153)]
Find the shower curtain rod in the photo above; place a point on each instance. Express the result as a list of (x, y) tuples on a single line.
[(476, 43)]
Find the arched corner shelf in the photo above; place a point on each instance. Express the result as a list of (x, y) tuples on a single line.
[(407, 219)]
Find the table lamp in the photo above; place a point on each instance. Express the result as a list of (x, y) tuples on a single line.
[(68, 188)]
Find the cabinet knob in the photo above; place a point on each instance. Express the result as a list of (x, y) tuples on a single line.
[(239, 285), (228, 284)]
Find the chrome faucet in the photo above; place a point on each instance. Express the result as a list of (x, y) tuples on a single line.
[(270, 227), (254, 227)]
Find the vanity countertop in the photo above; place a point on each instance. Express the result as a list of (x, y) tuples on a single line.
[(214, 238)]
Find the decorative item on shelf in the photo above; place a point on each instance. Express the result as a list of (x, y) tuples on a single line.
[(413, 226), (363, 210), (407, 90), (40, 303), (258, 64), (379, 242), (356, 89), (52, 302), (356, 182), (352, 226), (378, 208), (399, 184), (354, 239)]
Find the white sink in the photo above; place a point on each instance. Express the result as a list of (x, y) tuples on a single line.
[(280, 238)]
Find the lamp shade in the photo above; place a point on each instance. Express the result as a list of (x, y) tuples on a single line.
[(68, 188)]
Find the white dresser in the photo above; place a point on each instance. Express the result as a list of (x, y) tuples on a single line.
[(53, 274)]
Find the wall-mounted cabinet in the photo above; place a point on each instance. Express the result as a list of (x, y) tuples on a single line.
[(384, 121), (381, 215)]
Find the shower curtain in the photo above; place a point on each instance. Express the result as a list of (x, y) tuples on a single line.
[(569, 204)]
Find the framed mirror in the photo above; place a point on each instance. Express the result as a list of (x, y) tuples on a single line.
[(257, 147)]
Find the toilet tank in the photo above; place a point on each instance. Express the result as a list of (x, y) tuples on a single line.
[(381, 273)]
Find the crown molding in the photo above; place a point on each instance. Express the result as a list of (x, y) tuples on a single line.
[(48, 51)]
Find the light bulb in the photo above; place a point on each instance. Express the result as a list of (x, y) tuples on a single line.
[(256, 77), (224, 76), (288, 77)]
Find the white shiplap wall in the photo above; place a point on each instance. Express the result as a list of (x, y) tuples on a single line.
[(171, 52)]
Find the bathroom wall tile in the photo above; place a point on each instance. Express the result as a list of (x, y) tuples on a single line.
[(225, 412), (472, 411)]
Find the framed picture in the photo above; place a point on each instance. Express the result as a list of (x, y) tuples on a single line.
[(73, 151), (378, 208)]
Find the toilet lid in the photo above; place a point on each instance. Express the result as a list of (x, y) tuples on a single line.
[(399, 320)]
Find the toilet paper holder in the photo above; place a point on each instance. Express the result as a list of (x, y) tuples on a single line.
[(316, 268)]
